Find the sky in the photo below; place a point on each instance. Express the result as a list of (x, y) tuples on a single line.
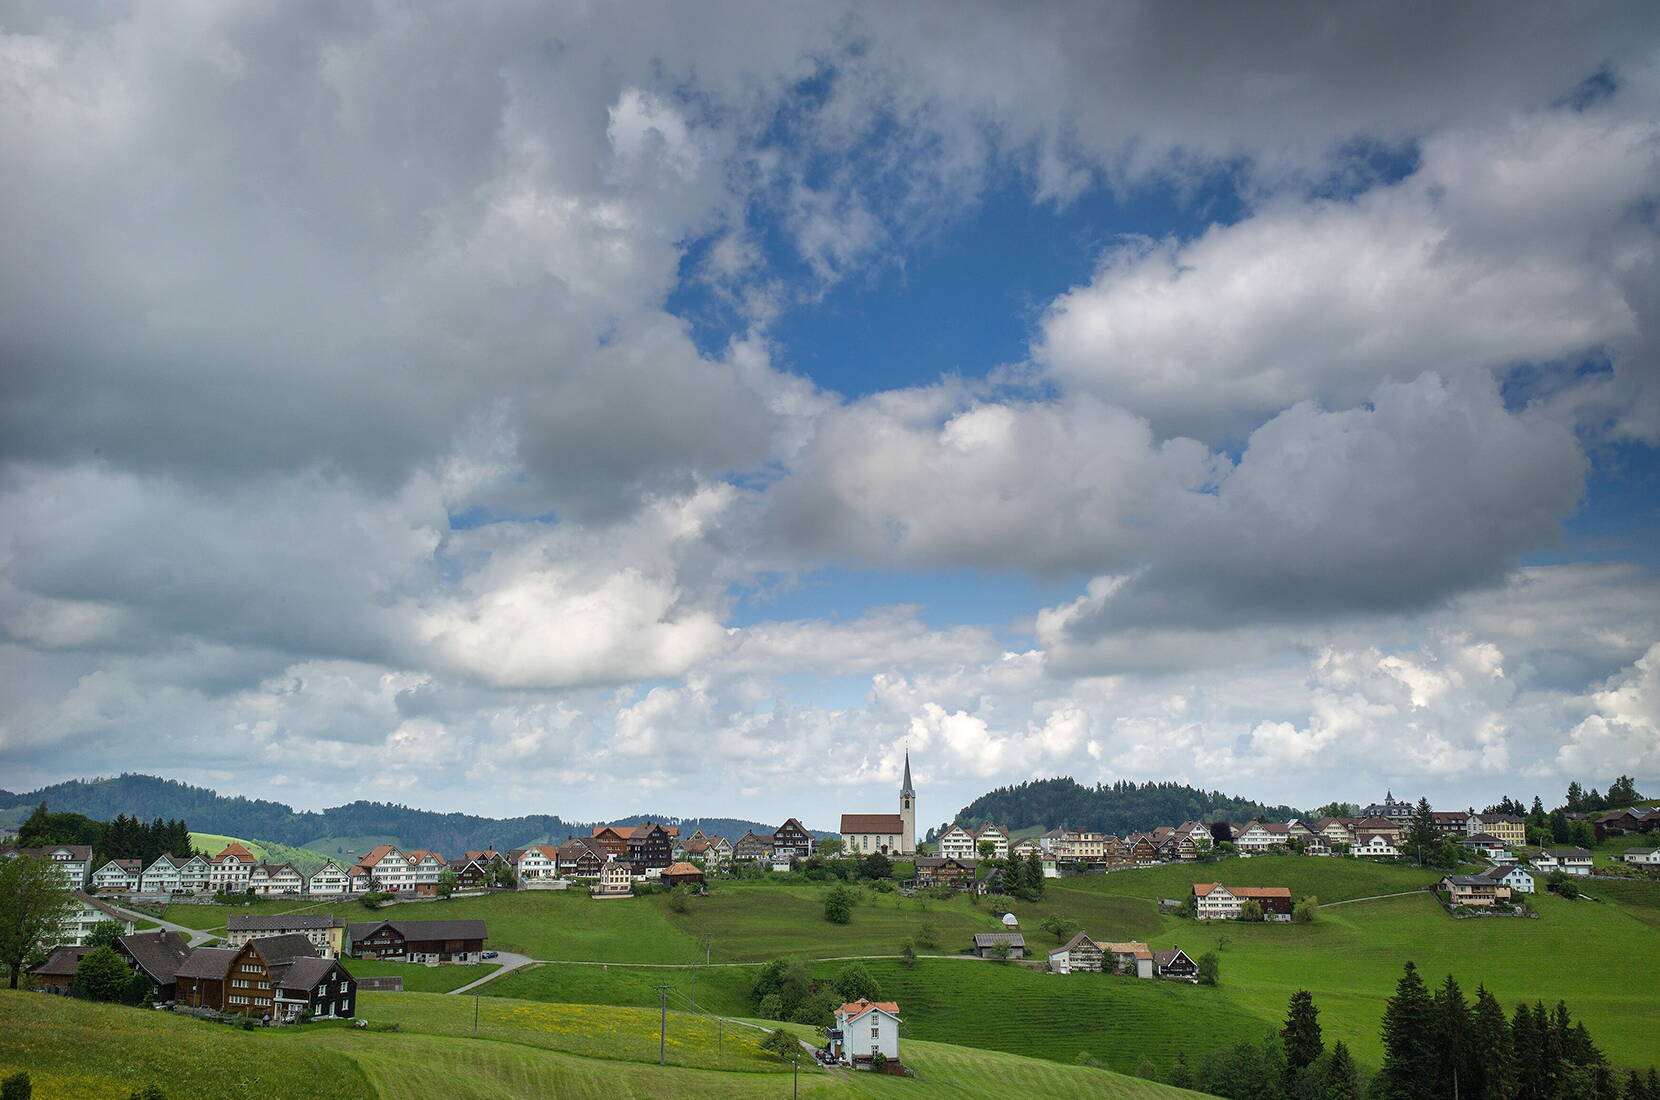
[(593, 409)]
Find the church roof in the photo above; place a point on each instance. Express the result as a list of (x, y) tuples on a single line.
[(906, 788)]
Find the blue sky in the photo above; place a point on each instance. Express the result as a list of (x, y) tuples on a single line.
[(692, 420)]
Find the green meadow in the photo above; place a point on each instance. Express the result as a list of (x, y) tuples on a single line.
[(304, 859), (79, 1051)]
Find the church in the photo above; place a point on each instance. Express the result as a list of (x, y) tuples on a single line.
[(890, 834)]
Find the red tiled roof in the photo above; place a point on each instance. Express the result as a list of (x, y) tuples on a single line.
[(854, 1009), (891, 824)]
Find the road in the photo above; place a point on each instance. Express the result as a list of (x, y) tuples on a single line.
[(509, 962), (194, 937)]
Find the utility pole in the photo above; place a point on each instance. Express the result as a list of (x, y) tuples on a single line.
[(708, 938), (795, 1085), (663, 1025), (475, 1015)]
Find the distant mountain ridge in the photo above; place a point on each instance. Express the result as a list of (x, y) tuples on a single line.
[(1117, 808), (148, 796)]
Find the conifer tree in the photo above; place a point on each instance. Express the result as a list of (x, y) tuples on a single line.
[(1527, 1053), (1342, 1078), (1301, 1035), (1454, 1064), (1550, 1051), (1490, 1039), (1408, 1046)]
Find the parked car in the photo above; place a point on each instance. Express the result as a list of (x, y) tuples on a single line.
[(488, 955)]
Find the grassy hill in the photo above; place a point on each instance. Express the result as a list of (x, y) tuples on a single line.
[(97, 1052), (304, 860), (1349, 958)]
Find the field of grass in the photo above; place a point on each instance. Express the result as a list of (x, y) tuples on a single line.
[(210, 917), (75, 1050), (304, 859), (722, 989), (1326, 878), (80, 1051), (418, 978), (346, 850)]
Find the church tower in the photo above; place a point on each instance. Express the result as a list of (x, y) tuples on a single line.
[(907, 811)]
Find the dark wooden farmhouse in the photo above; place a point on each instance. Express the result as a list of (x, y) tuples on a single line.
[(422, 941)]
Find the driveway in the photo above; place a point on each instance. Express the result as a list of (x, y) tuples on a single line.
[(194, 937), (508, 962)]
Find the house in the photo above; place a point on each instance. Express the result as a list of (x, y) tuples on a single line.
[(321, 987), (1646, 857), (781, 862), (1024, 848), (890, 834), (426, 866), (609, 840), (329, 880), (72, 861), (580, 858), (987, 945), (543, 861), (682, 874), (1143, 852), (713, 851), (323, 931), (1476, 890), (1262, 837), (996, 836), (1451, 822), (88, 914), (615, 880), (56, 972), (1389, 809), (359, 879), (119, 874), (1375, 846), (158, 956), (484, 855), (1175, 963), (946, 871), (1490, 847), (161, 877), (650, 846), (1132, 957), (1509, 830), (1335, 830), (474, 874), (864, 1029), (238, 979), (230, 870), (792, 840), (1517, 879), (1365, 828), (1213, 901), (956, 842), (751, 846), (422, 941), (398, 872), (1077, 955), (281, 879), (1570, 861)]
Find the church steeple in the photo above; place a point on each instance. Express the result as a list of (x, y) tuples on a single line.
[(907, 811), (905, 788)]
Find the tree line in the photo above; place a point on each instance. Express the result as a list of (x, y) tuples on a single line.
[(1437, 1044), (1116, 808), (122, 837)]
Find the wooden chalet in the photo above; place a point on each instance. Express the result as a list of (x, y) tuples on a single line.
[(946, 871), (750, 846), (1176, 964), (682, 874), (1080, 954), (422, 941), (792, 840)]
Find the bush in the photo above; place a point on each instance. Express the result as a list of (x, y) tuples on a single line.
[(781, 1043), (17, 1087), (1250, 910), (374, 899), (1210, 968), (926, 935), (838, 905), (1085, 1058), (1059, 927), (883, 885), (878, 1061), (679, 899), (101, 976), (855, 983), (1305, 910), (907, 956), (876, 865)]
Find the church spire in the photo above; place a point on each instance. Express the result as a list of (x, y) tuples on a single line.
[(906, 788)]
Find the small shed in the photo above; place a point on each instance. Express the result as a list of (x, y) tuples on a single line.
[(986, 944), (676, 873)]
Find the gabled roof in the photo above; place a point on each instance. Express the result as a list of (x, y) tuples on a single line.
[(290, 945), (304, 974), (207, 962), (796, 822), (1483, 838), (82, 852), (374, 855), (159, 954), (62, 962), (873, 823), (991, 939), (265, 923), (854, 1009), (102, 907), (1566, 853), (934, 863), (234, 851), (421, 929), (1131, 947), (681, 869), (1163, 959), (1077, 941), (129, 865)]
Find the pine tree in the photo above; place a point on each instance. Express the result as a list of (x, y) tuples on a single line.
[(1576, 797), (1342, 1078), (1408, 1049), (1423, 832), (1301, 1035), (1550, 1051), (1490, 1039), (1527, 1052), (1454, 1064)]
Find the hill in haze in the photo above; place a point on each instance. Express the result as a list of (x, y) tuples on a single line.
[(147, 796), (1120, 807)]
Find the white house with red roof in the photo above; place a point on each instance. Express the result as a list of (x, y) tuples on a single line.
[(231, 870), (863, 1029)]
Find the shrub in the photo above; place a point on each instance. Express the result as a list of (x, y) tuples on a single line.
[(926, 935), (1059, 927), (883, 885), (907, 956), (876, 865), (878, 1061), (101, 975), (1250, 910), (679, 901), (16, 1087), (374, 899), (781, 1043), (838, 905), (854, 983), (1305, 910), (1210, 968)]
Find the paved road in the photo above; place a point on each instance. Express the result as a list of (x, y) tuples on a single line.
[(1374, 897), (194, 937), (509, 962)]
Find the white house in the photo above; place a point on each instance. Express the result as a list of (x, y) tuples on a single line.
[(1491, 847), (863, 1029), (1262, 837), (73, 861), (1376, 846), (1648, 857), (118, 874), (328, 880), (1570, 861), (231, 870), (1513, 876), (194, 873), (88, 914), (281, 879), (539, 861), (161, 877), (615, 881), (957, 843)]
